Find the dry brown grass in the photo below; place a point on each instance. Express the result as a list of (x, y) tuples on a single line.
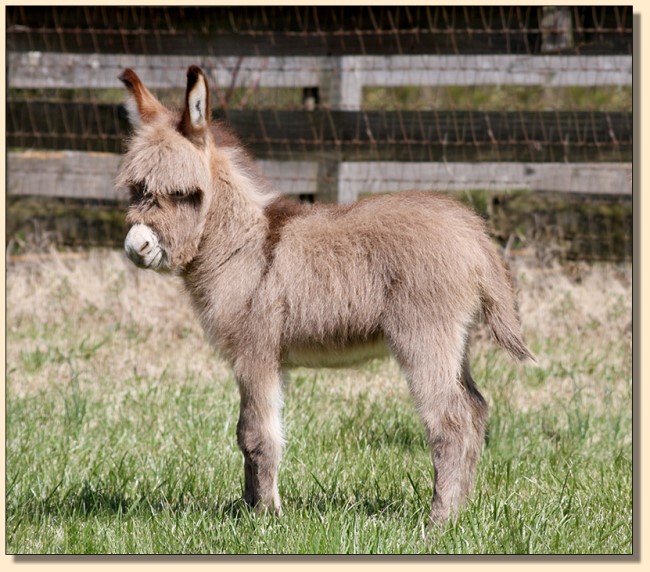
[(98, 319), (579, 320), (64, 307)]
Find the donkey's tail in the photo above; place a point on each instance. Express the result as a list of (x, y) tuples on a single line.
[(500, 307)]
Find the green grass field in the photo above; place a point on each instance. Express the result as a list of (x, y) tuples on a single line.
[(120, 429)]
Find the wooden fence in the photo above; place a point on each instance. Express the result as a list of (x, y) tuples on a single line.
[(330, 147), (450, 143)]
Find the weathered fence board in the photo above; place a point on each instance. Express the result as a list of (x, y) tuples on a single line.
[(35, 70), (360, 178), (474, 70), (63, 174), (78, 175)]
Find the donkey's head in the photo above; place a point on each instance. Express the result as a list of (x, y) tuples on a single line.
[(167, 172)]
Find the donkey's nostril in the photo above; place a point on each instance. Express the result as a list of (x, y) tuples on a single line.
[(144, 249)]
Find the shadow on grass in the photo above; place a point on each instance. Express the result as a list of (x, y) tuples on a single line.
[(89, 501)]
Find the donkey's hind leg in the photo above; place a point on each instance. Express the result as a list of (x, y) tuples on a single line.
[(479, 415), (452, 410)]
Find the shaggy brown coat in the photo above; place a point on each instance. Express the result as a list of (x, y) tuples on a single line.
[(279, 284)]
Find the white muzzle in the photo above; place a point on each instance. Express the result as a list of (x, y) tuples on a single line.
[(143, 248)]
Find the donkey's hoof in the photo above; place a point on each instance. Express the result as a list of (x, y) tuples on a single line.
[(274, 509), (439, 517)]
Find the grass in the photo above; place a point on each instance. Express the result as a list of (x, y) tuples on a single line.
[(120, 429), (482, 97), (500, 98)]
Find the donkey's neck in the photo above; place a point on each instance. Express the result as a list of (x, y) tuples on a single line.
[(235, 221), (230, 260)]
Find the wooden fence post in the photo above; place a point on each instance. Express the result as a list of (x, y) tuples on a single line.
[(339, 89), (557, 32)]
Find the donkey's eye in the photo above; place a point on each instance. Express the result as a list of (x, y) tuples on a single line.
[(140, 198), (136, 192), (192, 198)]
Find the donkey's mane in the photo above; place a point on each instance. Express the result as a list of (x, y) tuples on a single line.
[(258, 187)]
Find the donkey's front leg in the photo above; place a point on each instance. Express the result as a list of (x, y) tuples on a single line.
[(259, 434)]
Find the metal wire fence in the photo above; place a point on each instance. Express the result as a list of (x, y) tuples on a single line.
[(327, 31), (522, 111)]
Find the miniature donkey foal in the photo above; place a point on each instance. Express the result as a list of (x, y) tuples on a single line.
[(278, 284)]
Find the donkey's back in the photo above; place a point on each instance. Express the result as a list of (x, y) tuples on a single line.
[(349, 276)]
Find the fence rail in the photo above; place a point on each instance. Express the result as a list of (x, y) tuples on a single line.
[(78, 175), (37, 70), (82, 175)]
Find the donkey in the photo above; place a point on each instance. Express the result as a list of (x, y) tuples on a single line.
[(278, 284)]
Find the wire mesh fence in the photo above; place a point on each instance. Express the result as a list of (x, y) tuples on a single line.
[(493, 104), (327, 30)]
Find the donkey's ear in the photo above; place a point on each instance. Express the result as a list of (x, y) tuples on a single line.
[(196, 115), (141, 105)]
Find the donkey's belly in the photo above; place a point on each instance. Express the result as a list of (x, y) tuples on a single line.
[(324, 355)]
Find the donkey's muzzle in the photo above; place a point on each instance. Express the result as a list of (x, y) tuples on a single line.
[(143, 248)]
